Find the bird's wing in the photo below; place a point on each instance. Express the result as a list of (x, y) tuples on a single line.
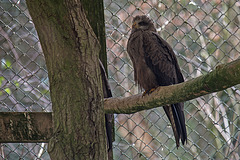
[(106, 87), (161, 59), (135, 51), (108, 117)]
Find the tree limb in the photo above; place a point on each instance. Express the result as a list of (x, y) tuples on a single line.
[(224, 76), (209, 83)]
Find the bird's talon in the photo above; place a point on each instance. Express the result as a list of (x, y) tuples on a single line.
[(151, 90), (148, 92), (144, 93)]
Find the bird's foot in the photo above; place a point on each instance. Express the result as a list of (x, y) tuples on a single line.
[(148, 91)]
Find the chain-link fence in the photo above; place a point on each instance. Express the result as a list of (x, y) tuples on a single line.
[(203, 34)]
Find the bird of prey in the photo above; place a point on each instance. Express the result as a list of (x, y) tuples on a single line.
[(155, 64), (108, 117)]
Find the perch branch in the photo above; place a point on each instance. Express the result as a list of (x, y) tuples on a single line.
[(223, 77)]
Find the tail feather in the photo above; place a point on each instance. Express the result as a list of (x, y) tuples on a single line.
[(176, 116), (180, 121)]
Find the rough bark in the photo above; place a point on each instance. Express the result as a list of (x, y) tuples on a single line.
[(94, 10), (71, 51), (223, 77), (25, 127)]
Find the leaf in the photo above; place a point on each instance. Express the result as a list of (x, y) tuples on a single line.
[(1, 80), (8, 91), (16, 83), (8, 64)]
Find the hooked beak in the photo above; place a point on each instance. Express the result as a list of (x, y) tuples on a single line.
[(135, 25)]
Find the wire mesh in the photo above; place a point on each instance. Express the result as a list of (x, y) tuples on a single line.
[(203, 35)]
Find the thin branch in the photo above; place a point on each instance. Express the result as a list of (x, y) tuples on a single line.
[(224, 76)]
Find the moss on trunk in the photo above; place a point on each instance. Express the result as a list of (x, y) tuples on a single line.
[(71, 50)]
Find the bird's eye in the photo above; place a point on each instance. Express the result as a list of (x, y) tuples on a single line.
[(142, 23)]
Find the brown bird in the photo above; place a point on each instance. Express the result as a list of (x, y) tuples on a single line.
[(155, 64), (108, 117)]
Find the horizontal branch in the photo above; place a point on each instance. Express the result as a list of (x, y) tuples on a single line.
[(25, 127), (224, 76), (30, 127)]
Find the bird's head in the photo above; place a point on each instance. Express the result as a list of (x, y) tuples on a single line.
[(142, 23)]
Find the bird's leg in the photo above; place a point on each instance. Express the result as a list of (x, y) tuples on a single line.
[(149, 91)]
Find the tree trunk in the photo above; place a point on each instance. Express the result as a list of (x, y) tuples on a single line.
[(71, 51), (94, 10)]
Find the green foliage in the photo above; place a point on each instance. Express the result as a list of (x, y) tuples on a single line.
[(1, 80), (8, 64)]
